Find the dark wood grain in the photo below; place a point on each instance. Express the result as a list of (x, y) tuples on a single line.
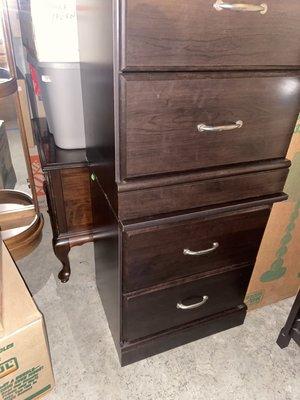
[(161, 112), (77, 199), (167, 199), (114, 189), (210, 211), (55, 199), (155, 255), (138, 350), (153, 312), (61, 248), (69, 200), (147, 182), (182, 35)]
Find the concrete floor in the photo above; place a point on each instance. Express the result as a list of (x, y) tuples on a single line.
[(241, 364)]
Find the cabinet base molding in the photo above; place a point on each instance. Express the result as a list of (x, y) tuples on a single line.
[(136, 351)]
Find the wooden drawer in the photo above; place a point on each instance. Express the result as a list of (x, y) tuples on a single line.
[(157, 254), (173, 195), (148, 313), (137, 350), (171, 34), (77, 198), (161, 113), (69, 199)]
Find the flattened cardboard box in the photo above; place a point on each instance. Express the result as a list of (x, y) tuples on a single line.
[(25, 366), (1, 290), (276, 274)]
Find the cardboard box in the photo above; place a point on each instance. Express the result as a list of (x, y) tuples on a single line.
[(1, 288), (38, 177), (276, 274), (26, 115), (25, 366)]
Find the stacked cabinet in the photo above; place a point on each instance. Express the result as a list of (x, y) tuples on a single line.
[(189, 111)]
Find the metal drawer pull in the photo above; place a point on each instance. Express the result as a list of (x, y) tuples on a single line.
[(220, 128), (188, 252), (192, 306), (220, 5)]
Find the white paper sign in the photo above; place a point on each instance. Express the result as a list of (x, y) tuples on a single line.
[(55, 30)]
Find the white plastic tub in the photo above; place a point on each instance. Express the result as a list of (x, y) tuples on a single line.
[(62, 98)]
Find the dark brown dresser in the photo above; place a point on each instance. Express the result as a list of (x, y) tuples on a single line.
[(189, 111)]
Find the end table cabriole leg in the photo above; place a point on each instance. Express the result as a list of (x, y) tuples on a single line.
[(61, 249)]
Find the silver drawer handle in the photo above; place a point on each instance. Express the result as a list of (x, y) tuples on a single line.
[(192, 306), (188, 252), (220, 5), (220, 128)]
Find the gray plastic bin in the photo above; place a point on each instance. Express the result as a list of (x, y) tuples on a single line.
[(62, 98)]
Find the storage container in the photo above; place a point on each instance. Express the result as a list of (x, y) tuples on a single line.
[(62, 98)]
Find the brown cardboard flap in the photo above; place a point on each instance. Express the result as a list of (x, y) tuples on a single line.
[(25, 365), (18, 307), (276, 275), (1, 287)]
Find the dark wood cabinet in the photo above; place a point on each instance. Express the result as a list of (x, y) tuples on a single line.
[(67, 187), (189, 112)]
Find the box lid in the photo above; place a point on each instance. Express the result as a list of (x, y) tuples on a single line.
[(18, 307)]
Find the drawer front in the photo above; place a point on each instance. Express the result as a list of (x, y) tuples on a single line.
[(68, 198), (163, 253), (194, 34), (178, 197), (77, 199), (150, 313), (166, 120)]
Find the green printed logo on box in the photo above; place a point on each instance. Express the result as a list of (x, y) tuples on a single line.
[(254, 298), (20, 384), (7, 347), (8, 366)]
